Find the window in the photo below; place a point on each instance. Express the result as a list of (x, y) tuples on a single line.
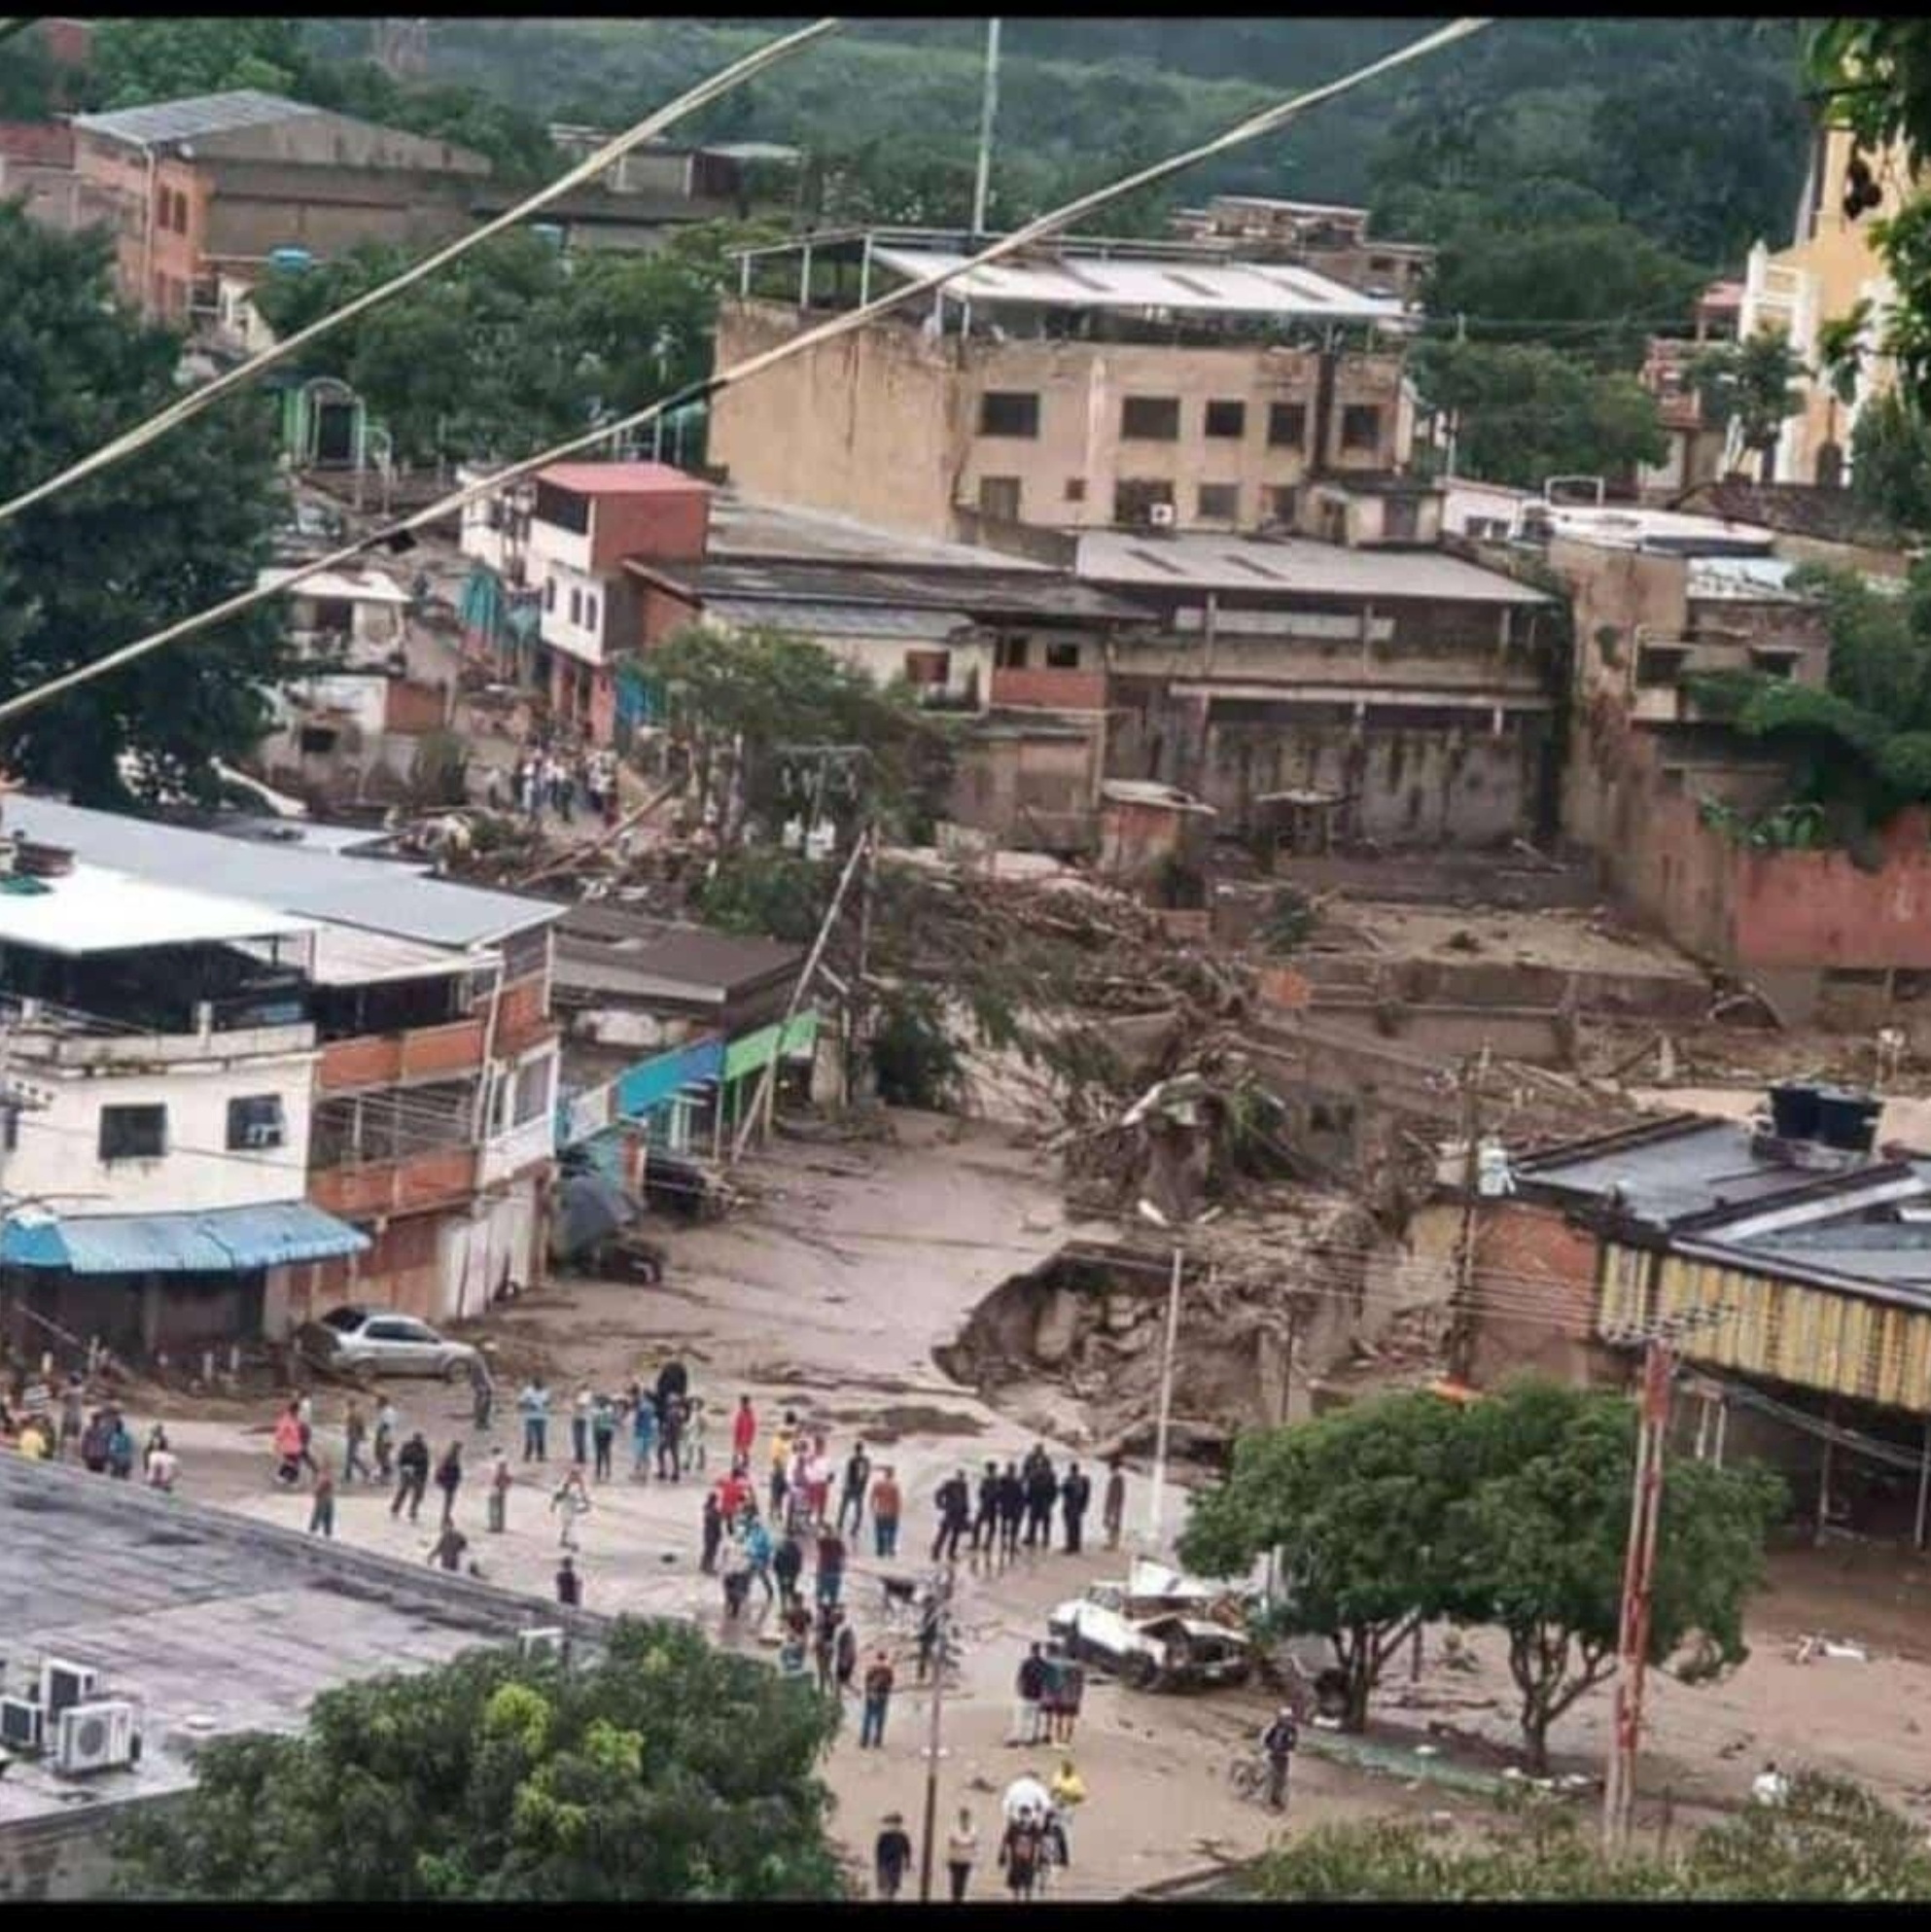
[(1288, 425), (1361, 426), (1008, 412), (998, 499), (133, 1133), (590, 611), (576, 605), (532, 1093), (563, 508), (256, 1123), (550, 593), (1150, 418), (334, 613), (1401, 520), (927, 670), (317, 740), (1282, 505), (1076, 490), (1220, 502), (1011, 653), (1133, 498), (1060, 656), (1227, 419)]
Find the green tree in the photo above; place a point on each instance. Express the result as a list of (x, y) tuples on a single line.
[(138, 60), (1540, 1542), (1356, 1501), (1831, 1841), (1890, 462), (1526, 412), (1754, 383), (664, 1769), (109, 560)]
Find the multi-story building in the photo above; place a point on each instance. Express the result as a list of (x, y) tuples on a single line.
[(1321, 235), (1696, 445), (223, 181), (1085, 386), (160, 1048), (1831, 265), (435, 1075)]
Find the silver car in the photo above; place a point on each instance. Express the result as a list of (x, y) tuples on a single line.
[(381, 1342)]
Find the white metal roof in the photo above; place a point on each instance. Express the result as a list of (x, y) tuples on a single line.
[(1196, 562), (1205, 288), (361, 588), (1629, 529), (95, 910), (198, 114), (348, 956), (1746, 578)]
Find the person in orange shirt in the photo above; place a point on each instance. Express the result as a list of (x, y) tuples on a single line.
[(291, 1444), (885, 1506)]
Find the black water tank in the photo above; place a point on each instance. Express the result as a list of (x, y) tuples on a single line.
[(1794, 1110), (1847, 1120)]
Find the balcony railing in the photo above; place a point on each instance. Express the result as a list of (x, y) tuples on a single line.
[(440, 1177), (377, 1060), (522, 1147)]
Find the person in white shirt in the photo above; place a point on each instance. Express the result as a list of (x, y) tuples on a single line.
[(1771, 1787)]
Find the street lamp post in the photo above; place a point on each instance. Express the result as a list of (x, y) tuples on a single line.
[(1156, 1502), (943, 1643)]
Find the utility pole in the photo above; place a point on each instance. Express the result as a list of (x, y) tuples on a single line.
[(1156, 1495), (940, 1647), (988, 110), (1461, 1323)]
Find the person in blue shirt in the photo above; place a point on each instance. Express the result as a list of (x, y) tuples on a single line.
[(757, 1551), (534, 1406), (643, 1438)]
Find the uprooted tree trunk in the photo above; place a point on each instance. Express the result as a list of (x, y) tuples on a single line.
[(1540, 1655), (1362, 1651)]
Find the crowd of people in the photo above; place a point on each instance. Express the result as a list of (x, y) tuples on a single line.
[(49, 1423), (555, 778)]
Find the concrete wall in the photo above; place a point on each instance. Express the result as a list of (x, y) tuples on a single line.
[(1819, 909), (884, 424), (1029, 791), (254, 209), (1534, 1297), (156, 264)]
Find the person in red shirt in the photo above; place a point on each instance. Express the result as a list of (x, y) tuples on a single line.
[(733, 1493), (744, 1430)]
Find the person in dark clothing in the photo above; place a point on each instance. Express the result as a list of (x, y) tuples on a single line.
[(846, 1655), (1076, 1492), (930, 1622), (603, 1436), (1019, 1852), (568, 1585), (1011, 1510), (787, 1566), (411, 1476), (672, 1380), (1113, 1512), (1279, 1740), (893, 1855), (713, 1533), (450, 1544), (449, 1479), (985, 1524), (825, 1647), (878, 1699), (955, 1514), (852, 1496), (1042, 1491), (670, 1437), (830, 1566)]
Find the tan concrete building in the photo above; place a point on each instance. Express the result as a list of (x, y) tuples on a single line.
[(1107, 385), (1328, 238)]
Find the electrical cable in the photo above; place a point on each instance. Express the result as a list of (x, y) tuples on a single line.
[(195, 401), (398, 535)]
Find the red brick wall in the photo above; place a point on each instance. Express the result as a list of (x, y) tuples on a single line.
[(44, 143), (667, 523), (665, 614), (1534, 1297), (1818, 909)]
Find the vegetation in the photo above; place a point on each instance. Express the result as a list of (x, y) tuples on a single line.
[(1831, 1840), (1890, 463), (1754, 384), (665, 1770), (110, 560), (1513, 1512)]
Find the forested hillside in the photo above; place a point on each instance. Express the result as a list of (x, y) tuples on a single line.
[(1690, 130)]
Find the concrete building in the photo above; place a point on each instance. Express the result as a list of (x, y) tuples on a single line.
[(1329, 238), (210, 1625), (1696, 453), (1089, 386), (1408, 693), (222, 180), (161, 1048), (1831, 265), (436, 1084)]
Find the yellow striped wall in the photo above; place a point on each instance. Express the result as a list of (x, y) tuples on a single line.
[(1811, 1337)]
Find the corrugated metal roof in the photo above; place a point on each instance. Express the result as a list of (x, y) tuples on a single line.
[(1192, 287), (1199, 562), (977, 587), (882, 620), (378, 895), (346, 956), (603, 948), (196, 115), (216, 1241), (95, 910), (745, 526), (351, 586)]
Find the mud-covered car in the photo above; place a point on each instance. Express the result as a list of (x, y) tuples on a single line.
[(1158, 1631)]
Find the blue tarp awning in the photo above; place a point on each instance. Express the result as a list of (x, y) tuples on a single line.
[(216, 1241)]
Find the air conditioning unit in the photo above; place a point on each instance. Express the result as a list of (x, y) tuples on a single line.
[(96, 1737), (62, 1684), (22, 1725), (1160, 515), (544, 1642), (262, 1133)]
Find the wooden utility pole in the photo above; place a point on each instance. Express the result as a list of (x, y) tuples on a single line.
[(940, 1647), (1461, 1315)]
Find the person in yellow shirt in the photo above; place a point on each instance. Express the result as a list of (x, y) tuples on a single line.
[(34, 1445), (783, 1438)]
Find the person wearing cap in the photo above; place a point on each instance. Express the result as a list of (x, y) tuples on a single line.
[(893, 1855)]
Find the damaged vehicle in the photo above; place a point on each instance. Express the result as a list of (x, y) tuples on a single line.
[(1159, 1631)]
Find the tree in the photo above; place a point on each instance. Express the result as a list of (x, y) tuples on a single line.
[(1356, 1501), (664, 1769), (1753, 384), (113, 558), (137, 61), (1831, 1840), (1539, 1541), (1526, 412), (1890, 462)]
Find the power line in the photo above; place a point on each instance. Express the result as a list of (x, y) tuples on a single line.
[(198, 400), (398, 535)]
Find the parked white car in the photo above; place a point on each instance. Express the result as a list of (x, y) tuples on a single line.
[(380, 1341), (1154, 1631)]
